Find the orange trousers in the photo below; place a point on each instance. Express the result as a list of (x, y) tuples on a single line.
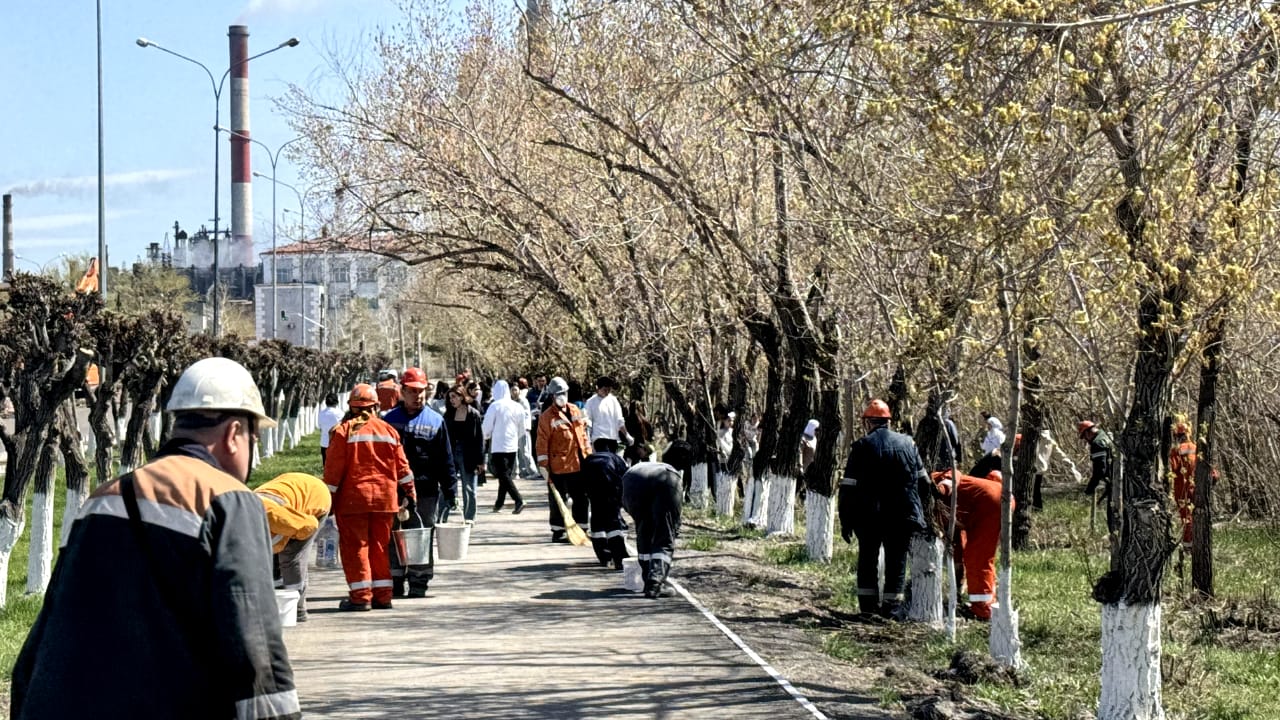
[(362, 541)]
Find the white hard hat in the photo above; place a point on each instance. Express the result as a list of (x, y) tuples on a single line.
[(215, 384), (557, 386)]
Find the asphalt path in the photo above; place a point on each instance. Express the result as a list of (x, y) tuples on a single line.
[(523, 628)]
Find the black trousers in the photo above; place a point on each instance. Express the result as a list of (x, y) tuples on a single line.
[(895, 539), (574, 492), (607, 537), (417, 576), (654, 503), (503, 466)]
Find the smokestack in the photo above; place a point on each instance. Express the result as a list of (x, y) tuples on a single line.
[(241, 173), (8, 238)]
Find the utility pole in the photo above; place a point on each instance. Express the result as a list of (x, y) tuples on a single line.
[(400, 324)]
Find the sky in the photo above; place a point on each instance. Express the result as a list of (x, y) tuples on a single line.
[(158, 114)]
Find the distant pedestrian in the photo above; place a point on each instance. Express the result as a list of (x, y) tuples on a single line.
[(1101, 456), (440, 401), (1182, 464), (161, 604), (808, 445), (526, 466), (327, 419), (466, 433), (370, 479), (651, 494), (991, 444), (388, 391), (880, 504), (296, 504), (503, 426)]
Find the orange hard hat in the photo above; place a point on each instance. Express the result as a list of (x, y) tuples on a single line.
[(1181, 428), (1084, 427), (414, 378), (877, 409), (362, 395)]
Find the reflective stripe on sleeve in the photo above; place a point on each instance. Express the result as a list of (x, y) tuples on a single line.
[(660, 556), (980, 598), (406, 479), (278, 704), (1100, 453), (541, 458)]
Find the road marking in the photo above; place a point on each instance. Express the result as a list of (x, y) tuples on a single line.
[(777, 676)]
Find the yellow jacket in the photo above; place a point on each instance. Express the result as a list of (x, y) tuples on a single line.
[(295, 503)]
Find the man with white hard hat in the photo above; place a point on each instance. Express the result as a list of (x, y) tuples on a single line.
[(166, 576)]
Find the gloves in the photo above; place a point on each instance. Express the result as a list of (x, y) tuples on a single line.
[(546, 474)]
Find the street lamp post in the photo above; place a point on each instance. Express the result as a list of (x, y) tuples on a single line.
[(274, 157), (302, 256), (217, 114)]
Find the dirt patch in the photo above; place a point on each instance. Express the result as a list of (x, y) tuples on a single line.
[(787, 616)]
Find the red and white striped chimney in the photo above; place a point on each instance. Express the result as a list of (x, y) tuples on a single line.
[(241, 172)]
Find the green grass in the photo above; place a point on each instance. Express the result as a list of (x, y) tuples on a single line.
[(20, 613), (1207, 674)]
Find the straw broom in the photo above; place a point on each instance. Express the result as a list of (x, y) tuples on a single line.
[(572, 529)]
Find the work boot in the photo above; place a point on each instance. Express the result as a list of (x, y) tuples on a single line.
[(301, 615), (397, 588), (348, 606), (519, 508), (497, 507), (382, 605), (418, 592), (559, 536), (653, 591)]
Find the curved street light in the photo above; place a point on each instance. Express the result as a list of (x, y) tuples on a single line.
[(217, 114)]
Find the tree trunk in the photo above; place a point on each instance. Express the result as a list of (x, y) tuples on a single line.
[(1031, 422), (104, 435), (820, 524), (698, 488), (755, 504), (40, 559), (11, 526), (1131, 651), (726, 493), (74, 468), (926, 579), (781, 504), (1202, 495), (1004, 645)]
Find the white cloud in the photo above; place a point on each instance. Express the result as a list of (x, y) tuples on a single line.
[(67, 186)]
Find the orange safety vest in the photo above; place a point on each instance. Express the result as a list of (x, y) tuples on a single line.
[(388, 394), (562, 441), (365, 467)]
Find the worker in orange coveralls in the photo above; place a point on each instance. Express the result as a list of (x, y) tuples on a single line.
[(1182, 463), (978, 524), (368, 474)]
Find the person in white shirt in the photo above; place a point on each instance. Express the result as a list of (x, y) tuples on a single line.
[(605, 415), (504, 423), (327, 419)]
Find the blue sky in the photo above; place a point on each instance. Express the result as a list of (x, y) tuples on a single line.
[(158, 113)]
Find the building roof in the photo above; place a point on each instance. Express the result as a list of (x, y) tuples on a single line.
[(335, 245)]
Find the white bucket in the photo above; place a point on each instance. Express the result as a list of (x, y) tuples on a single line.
[(287, 602), (413, 546), (631, 577), (454, 540)]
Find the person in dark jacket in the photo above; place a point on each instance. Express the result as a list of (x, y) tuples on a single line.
[(651, 493), (466, 433), (602, 473), (161, 604), (426, 446), (880, 504), (1101, 456)]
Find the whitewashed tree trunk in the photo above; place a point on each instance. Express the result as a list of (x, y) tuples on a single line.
[(820, 526), (277, 437), (71, 511), (926, 579), (1130, 663), (782, 505), (698, 491), (726, 493), (155, 424), (294, 438), (10, 531), (264, 443), (1006, 646), (40, 560), (755, 503)]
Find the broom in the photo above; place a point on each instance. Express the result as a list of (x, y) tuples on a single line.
[(572, 529)]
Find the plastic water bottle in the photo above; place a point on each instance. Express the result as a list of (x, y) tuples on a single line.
[(327, 557)]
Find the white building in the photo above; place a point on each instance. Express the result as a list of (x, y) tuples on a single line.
[(317, 279)]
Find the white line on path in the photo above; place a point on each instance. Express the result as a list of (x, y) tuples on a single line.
[(777, 676)]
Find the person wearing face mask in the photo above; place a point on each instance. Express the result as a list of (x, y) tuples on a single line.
[(561, 448), (183, 547)]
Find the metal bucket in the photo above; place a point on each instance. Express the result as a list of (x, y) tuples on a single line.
[(413, 546), (454, 540)]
